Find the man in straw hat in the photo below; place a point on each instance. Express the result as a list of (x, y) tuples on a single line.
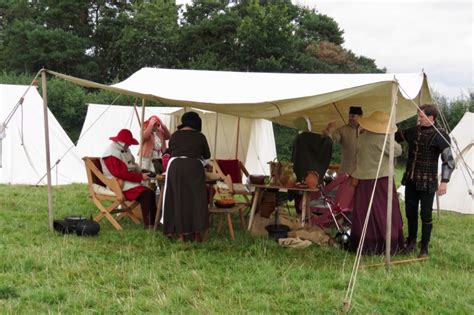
[(369, 152), (117, 161), (425, 145), (346, 136)]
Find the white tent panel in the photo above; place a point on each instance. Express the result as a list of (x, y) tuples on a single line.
[(460, 195), (256, 144), (23, 148)]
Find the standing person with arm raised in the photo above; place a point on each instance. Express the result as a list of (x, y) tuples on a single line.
[(347, 137), (155, 135), (425, 145)]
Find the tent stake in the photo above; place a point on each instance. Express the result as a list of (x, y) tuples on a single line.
[(48, 158), (398, 262)]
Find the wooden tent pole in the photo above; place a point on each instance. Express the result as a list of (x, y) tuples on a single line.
[(215, 136), (237, 140), (142, 127), (48, 157), (388, 231)]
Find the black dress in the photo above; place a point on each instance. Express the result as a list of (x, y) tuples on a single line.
[(186, 205)]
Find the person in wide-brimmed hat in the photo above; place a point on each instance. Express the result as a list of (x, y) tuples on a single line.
[(185, 197), (155, 134), (369, 152), (117, 161)]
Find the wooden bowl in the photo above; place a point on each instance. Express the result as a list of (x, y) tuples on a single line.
[(224, 205)]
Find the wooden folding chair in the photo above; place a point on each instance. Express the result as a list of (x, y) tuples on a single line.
[(103, 190)]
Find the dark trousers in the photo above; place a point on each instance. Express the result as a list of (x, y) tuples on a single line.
[(413, 199), (147, 201)]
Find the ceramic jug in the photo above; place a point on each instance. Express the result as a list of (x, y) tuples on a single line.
[(312, 179)]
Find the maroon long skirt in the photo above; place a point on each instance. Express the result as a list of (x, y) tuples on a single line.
[(375, 237)]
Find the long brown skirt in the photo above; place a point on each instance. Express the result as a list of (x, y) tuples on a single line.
[(375, 237), (186, 208)]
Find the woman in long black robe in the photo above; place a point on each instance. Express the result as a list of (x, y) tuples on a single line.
[(186, 202)]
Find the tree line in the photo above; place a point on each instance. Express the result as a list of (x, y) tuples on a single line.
[(108, 40)]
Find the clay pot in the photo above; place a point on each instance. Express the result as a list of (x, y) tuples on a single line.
[(312, 179)]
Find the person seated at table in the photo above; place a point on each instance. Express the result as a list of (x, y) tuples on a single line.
[(185, 196), (155, 134), (369, 152), (117, 161)]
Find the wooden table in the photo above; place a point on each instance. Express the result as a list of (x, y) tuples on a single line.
[(258, 192)]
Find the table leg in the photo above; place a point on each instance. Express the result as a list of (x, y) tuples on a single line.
[(304, 207), (256, 197), (159, 207)]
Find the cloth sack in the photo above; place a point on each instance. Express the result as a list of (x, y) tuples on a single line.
[(292, 242)]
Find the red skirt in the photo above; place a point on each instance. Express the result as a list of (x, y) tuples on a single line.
[(375, 237)]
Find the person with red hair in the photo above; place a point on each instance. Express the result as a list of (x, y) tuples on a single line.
[(155, 135)]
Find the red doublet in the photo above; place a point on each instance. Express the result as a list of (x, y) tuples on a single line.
[(119, 170)]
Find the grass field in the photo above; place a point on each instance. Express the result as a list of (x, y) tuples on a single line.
[(143, 272)]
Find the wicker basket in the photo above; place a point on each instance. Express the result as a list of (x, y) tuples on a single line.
[(268, 204)]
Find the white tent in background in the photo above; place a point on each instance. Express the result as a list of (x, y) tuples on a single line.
[(256, 144), (23, 153), (104, 121), (460, 195)]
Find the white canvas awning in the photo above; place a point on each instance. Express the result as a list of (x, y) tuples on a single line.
[(278, 97)]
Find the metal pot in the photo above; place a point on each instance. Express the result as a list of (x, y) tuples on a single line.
[(87, 228), (277, 231), (73, 220)]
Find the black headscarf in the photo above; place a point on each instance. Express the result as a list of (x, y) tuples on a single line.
[(192, 120)]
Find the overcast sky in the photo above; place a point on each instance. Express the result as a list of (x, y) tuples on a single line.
[(410, 35)]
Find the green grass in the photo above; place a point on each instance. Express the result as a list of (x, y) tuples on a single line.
[(143, 272)]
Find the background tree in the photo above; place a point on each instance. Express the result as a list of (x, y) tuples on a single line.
[(108, 40)]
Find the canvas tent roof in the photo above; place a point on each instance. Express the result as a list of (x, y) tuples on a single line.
[(256, 139), (460, 193), (278, 97), (23, 157)]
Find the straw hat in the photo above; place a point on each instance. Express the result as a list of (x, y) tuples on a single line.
[(377, 122)]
